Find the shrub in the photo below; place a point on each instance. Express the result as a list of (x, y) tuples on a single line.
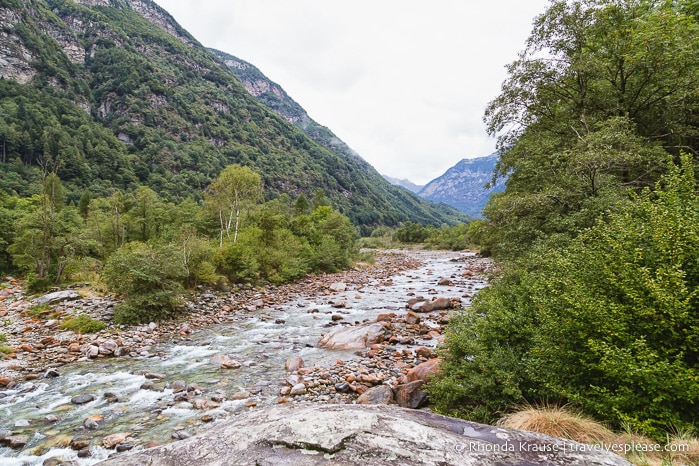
[(83, 324), (148, 278)]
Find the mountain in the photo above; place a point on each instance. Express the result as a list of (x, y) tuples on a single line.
[(407, 184), (463, 185), (276, 98), (113, 94)]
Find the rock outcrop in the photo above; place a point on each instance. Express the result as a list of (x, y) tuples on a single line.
[(308, 434)]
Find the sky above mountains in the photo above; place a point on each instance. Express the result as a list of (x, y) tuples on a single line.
[(403, 82)]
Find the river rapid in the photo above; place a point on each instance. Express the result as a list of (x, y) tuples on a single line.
[(138, 394)]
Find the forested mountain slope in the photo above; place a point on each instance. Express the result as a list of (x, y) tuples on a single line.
[(115, 94)]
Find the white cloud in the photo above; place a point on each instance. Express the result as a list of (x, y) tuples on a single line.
[(403, 82)]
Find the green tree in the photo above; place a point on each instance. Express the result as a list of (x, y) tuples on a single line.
[(234, 187), (601, 90)]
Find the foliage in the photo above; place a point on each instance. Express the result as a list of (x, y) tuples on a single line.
[(83, 323), (601, 93), (148, 278), (235, 187), (410, 232), (607, 322)]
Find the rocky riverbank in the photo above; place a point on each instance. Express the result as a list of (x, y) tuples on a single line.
[(381, 356)]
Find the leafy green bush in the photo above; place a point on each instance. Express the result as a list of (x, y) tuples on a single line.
[(83, 323), (608, 321), (410, 232), (148, 278)]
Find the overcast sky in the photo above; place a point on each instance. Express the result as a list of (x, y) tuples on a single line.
[(402, 82)]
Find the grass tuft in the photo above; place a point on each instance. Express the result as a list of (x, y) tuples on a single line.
[(558, 422)]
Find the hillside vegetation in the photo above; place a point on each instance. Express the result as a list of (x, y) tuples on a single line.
[(596, 302)]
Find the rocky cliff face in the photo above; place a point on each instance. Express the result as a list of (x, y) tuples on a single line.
[(463, 185), (15, 58)]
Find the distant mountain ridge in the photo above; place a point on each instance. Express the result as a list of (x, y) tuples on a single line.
[(405, 183), (463, 185)]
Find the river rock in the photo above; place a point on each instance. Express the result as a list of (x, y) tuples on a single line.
[(356, 337), (445, 282), (225, 362), (293, 364), (79, 443), (6, 381), (110, 441), (410, 395), (298, 389), (379, 395), (346, 435), (93, 422), (82, 399), (178, 386), (16, 442), (56, 297), (242, 395), (93, 351), (338, 287), (437, 304), (424, 371), (107, 347), (412, 318), (342, 387)]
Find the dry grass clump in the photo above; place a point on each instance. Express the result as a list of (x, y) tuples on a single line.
[(558, 422), (682, 449)]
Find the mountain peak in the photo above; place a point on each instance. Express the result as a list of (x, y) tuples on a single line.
[(463, 186)]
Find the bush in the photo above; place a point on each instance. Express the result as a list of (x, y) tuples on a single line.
[(83, 324), (148, 278), (608, 322)]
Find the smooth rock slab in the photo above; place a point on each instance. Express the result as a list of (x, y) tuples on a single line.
[(344, 435)]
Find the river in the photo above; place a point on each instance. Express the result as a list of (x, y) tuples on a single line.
[(135, 394)]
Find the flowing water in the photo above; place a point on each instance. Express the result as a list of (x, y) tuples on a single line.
[(149, 412)]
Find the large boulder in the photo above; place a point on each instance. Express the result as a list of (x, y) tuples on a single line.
[(56, 297), (410, 395), (379, 395), (357, 337), (437, 304), (344, 435), (424, 371)]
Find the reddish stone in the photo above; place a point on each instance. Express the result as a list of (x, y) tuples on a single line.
[(424, 370), (412, 318)]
